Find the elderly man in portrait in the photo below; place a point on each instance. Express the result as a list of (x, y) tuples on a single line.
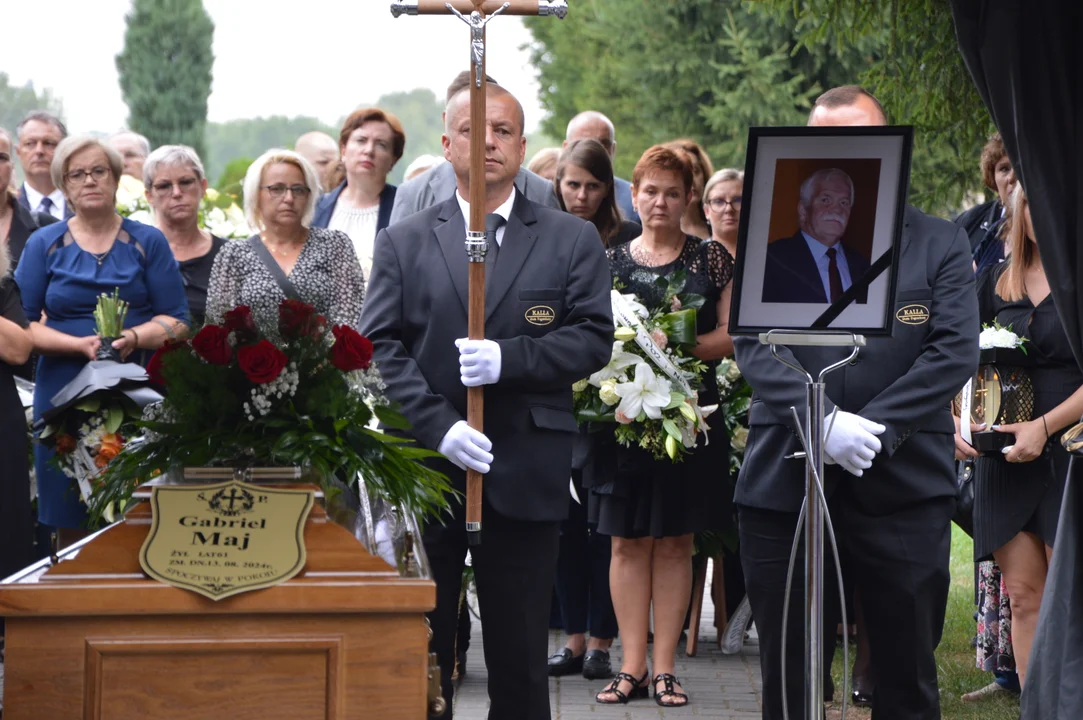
[(438, 184), (814, 265), (596, 126), (37, 136), (134, 149)]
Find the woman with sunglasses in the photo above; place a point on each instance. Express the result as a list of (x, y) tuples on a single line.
[(175, 185), (288, 258)]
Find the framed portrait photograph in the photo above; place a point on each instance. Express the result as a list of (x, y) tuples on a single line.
[(821, 222)]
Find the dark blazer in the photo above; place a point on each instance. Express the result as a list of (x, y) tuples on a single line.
[(325, 208), (551, 264), (25, 202), (791, 274), (905, 382), (23, 224)]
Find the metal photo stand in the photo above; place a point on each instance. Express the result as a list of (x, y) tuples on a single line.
[(814, 516)]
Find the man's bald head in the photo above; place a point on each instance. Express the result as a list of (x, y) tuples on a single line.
[(848, 105), (593, 125), (322, 152), (460, 102)]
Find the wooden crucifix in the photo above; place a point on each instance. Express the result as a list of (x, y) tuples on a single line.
[(476, 14)]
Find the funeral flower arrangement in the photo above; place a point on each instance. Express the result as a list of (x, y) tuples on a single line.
[(219, 213), (301, 394), (735, 398), (997, 336), (92, 429), (650, 386)]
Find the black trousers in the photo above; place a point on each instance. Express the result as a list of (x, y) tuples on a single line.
[(582, 582), (900, 561), (514, 568)]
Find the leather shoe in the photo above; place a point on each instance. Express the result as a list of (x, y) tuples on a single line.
[(564, 663), (596, 665), (861, 699)]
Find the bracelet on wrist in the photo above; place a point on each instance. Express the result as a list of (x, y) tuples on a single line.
[(1046, 426)]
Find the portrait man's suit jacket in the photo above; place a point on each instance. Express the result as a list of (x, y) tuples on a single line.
[(548, 308), (23, 225), (905, 382), (791, 274), (438, 184)]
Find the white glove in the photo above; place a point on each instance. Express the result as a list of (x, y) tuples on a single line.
[(466, 447), (852, 443), (479, 362)]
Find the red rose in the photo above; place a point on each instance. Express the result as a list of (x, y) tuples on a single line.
[(154, 365), (351, 351), (262, 362), (212, 344), (298, 319), (239, 321)]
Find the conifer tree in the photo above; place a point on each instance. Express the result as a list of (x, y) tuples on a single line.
[(165, 70)]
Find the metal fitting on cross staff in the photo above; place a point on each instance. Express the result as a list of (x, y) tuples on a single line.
[(477, 14), (542, 8)]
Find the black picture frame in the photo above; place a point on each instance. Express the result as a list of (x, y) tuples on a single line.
[(776, 291)]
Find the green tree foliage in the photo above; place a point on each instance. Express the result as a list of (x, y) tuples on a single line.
[(251, 137), (419, 111), (165, 70), (231, 181), (709, 69)]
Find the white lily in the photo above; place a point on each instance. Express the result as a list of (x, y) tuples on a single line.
[(647, 393), (618, 361)]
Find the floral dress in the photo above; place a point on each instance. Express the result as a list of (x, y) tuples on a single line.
[(645, 497)]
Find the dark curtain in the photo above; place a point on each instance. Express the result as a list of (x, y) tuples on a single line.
[(1026, 58)]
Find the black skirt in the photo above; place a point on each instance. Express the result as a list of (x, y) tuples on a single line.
[(1010, 498), (659, 498)]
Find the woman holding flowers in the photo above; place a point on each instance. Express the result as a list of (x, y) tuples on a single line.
[(64, 269), (1017, 494), (289, 258), (175, 184), (653, 506)]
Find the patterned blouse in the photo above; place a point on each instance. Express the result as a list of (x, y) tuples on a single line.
[(326, 275)]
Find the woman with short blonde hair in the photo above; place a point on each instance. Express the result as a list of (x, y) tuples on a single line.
[(288, 258)]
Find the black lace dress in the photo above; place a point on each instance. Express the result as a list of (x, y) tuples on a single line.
[(1013, 497), (644, 497)]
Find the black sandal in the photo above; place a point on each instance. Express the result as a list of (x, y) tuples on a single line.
[(639, 690), (669, 692)]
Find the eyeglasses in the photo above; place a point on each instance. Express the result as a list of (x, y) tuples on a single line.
[(166, 188), (80, 175), (277, 191), (719, 204)]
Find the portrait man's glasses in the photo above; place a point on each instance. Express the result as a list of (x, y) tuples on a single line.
[(277, 191)]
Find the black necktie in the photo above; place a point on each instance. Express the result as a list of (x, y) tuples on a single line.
[(492, 222), (833, 276)]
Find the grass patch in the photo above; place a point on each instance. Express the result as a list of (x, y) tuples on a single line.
[(956, 670)]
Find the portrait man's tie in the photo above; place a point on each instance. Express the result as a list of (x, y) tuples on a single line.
[(833, 276), (46, 206)]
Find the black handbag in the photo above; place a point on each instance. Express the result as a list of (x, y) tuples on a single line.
[(964, 496)]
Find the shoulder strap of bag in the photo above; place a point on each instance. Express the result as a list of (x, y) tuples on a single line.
[(273, 267)]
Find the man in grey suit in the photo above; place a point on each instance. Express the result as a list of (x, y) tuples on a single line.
[(438, 184), (548, 323), (891, 481), (596, 126)]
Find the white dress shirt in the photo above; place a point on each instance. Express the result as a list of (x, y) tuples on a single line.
[(823, 263), (34, 198), (503, 211)]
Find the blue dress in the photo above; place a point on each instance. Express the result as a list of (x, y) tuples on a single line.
[(62, 280)]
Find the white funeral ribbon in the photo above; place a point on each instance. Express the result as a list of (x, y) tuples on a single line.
[(626, 317)]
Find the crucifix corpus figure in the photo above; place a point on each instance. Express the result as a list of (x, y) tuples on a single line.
[(477, 37)]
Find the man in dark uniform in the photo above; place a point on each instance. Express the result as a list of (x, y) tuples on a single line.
[(891, 480), (548, 324)]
